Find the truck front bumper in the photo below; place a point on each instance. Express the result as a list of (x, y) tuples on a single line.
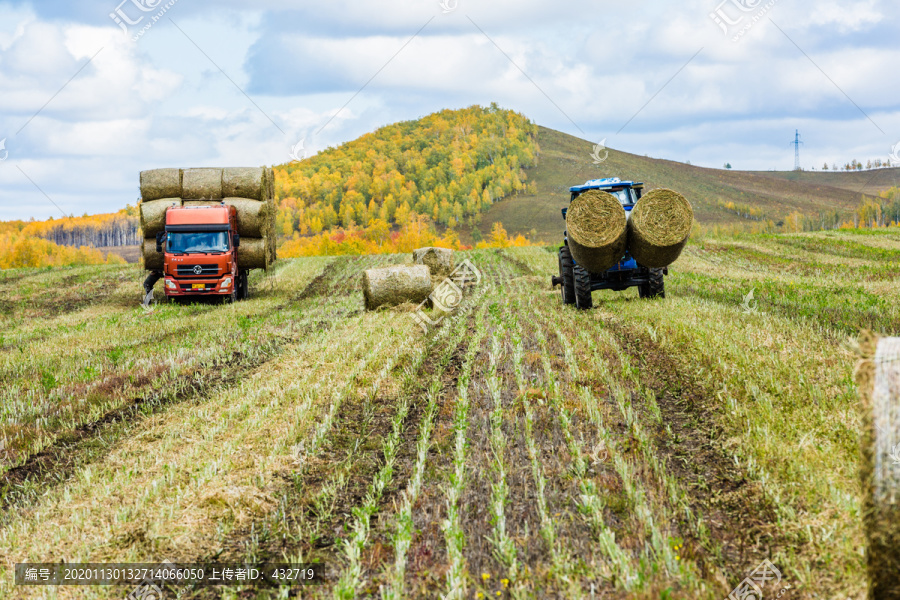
[(221, 286)]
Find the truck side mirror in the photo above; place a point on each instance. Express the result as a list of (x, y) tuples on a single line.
[(237, 240), (160, 238)]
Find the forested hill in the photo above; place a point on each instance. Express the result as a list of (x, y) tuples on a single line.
[(108, 229), (449, 166)]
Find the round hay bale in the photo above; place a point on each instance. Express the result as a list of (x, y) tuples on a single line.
[(659, 228), (252, 217), (253, 253), (202, 184), (244, 182), (597, 230), (157, 184), (878, 378), (439, 260), (153, 215), (153, 260), (391, 286)]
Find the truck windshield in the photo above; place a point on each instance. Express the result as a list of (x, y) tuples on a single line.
[(206, 241)]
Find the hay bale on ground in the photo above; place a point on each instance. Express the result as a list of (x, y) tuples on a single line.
[(659, 228), (245, 182), (439, 260), (153, 215), (252, 217), (391, 286), (153, 260), (253, 253), (202, 184), (161, 183), (878, 378), (597, 230)]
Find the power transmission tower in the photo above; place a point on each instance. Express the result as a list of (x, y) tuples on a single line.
[(796, 144)]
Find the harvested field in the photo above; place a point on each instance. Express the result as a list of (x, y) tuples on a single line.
[(518, 449)]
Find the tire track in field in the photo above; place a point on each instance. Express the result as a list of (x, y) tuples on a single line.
[(742, 521), (21, 485)]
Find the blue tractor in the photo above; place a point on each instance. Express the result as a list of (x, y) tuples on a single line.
[(577, 283)]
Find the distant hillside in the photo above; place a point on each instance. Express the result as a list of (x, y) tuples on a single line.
[(448, 166), (566, 160), (869, 182)]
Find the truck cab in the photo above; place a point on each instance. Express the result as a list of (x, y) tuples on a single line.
[(577, 283), (200, 249)]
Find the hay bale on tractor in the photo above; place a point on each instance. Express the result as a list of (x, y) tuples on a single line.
[(202, 184), (878, 379), (439, 260), (153, 215), (390, 286), (659, 228), (597, 230), (157, 184)]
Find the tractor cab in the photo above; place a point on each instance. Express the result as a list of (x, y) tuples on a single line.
[(628, 192)]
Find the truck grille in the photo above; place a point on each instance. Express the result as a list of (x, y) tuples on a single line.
[(189, 270)]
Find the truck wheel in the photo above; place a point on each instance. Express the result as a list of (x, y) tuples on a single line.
[(244, 284), (583, 300), (656, 287), (565, 273)]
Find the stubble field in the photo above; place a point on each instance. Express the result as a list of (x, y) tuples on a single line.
[(521, 449)]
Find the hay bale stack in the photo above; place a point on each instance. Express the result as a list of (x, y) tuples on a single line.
[(202, 184), (251, 190), (659, 228), (153, 260), (597, 230), (153, 215), (157, 184), (438, 260), (878, 378), (390, 286)]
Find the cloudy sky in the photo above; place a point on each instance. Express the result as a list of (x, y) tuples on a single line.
[(93, 91)]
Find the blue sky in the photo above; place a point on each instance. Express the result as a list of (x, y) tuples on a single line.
[(86, 105)]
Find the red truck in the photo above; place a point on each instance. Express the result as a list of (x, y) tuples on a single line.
[(200, 250)]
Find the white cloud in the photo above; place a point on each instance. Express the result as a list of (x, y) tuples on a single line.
[(161, 102), (855, 17)]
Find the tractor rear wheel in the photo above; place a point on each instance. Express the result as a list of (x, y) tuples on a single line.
[(583, 300), (656, 287), (565, 273)]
